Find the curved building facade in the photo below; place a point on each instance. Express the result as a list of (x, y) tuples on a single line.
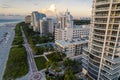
[(103, 54)]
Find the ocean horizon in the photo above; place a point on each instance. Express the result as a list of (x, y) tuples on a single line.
[(9, 21)]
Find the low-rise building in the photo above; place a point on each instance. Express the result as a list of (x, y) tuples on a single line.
[(71, 48), (28, 19)]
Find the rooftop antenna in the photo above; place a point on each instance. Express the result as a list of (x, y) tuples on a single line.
[(56, 12)]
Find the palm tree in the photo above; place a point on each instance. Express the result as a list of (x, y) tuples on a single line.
[(67, 62), (69, 75), (48, 64)]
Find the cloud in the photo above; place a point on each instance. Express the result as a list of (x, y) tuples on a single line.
[(5, 6), (11, 16), (50, 11), (52, 7)]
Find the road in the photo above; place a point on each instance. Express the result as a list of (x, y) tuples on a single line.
[(35, 75)]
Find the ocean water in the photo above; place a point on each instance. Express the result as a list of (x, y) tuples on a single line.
[(8, 21)]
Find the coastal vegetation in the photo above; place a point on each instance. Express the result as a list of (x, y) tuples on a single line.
[(34, 38), (17, 65), (81, 22), (18, 39), (40, 62), (56, 56), (62, 70)]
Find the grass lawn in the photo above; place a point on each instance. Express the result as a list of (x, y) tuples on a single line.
[(50, 56), (17, 65), (40, 62)]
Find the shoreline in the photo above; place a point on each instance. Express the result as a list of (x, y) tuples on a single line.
[(5, 45)]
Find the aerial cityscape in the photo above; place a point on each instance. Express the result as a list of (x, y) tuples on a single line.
[(60, 40)]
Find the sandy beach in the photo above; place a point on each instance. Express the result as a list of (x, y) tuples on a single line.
[(6, 38)]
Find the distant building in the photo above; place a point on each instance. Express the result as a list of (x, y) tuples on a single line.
[(65, 20), (36, 17), (85, 18), (78, 31), (63, 34), (28, 19), (70, 38), (50, 25), (46, 26)]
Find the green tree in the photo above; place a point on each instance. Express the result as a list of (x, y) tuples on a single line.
[(68, 75)]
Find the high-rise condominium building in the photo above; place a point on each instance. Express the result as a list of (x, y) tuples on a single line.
[(102, 59), (35, 18), (65, 21), (46, 26)]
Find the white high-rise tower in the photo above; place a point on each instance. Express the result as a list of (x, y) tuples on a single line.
[(102, 59)]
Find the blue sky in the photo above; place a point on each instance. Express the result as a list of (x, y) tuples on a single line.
[(79, 8)]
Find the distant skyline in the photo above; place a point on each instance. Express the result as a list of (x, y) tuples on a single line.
[(16, 8)]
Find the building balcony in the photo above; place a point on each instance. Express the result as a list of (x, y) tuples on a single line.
[(110, 71), (112, 40), (115, 60), (92, 76), (85, 61), (114, 28), (96, 49), (99, 39), (96, 54), (100, 22), (84, 56), (86, 49), (103, 2), (97, 44), (111, 77), (102, 9), (114, 66), (84, 65), (85, 53), (99, 33), (92, 72), (93, 64), (94, 59), (110, 51), (93, 69), (110, 46), (116, 9), (117, 15), (100, 27), (101, 16), (118, 1)]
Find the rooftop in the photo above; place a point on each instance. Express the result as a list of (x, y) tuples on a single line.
[(66, 43), (81, 26)]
